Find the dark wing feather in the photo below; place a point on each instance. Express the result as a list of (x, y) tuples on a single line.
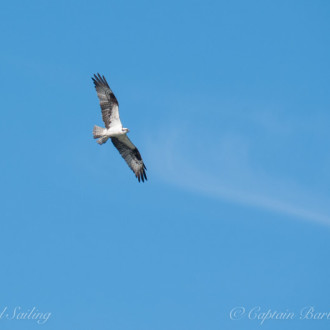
[(108, 101), (131, 155)]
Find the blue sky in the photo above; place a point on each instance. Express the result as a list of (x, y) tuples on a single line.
[(228, 103)]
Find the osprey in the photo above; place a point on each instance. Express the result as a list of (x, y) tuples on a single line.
[(114, 128)]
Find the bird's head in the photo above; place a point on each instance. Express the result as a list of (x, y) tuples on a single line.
[(126, 130)]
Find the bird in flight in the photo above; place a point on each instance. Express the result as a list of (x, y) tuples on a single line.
[(115, 130)]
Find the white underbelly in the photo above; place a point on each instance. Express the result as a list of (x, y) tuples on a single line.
[(114, 131)]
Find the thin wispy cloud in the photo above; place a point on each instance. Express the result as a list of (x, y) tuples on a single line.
[(220, 166)]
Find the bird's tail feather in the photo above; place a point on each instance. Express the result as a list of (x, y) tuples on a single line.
[(102, 140), (98, 132)]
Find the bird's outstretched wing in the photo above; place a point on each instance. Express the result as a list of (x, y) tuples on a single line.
[(108, 101), (131, 155)]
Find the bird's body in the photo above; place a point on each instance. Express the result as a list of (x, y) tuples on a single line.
[(110, 132), (115, 130)]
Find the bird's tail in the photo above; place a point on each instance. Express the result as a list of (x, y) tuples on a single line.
[(102, 140), (98, 133)]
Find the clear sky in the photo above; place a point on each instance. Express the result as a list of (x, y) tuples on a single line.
[(228, 103)]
